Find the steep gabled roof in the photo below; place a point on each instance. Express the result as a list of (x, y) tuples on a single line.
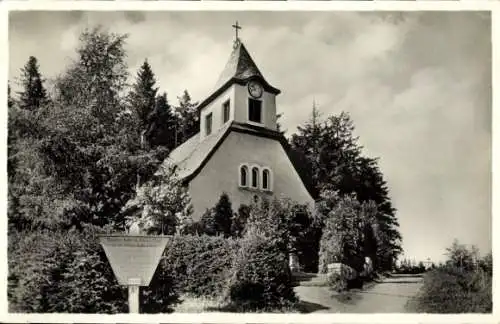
[(192, 155), (240, 68)]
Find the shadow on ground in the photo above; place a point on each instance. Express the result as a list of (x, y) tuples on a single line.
[(308, 307)]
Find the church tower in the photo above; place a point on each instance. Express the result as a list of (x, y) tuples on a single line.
[(241, 95), (239, 150)]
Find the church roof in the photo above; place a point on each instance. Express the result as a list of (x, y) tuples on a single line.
[(192, 155), (240, 68)]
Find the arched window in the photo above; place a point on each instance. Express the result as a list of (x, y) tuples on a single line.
[(266, 179), (255, 177), (243, 176)]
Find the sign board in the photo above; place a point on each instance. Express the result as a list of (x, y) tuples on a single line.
[(133, 258)]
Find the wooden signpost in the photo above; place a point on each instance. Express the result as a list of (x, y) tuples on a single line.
[(134, 259)]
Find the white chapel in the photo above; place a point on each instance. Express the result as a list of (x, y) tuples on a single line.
[(238, 150)]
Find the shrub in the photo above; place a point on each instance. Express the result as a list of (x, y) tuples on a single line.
[(62, 272), (347, 223), (223, 215), (162, 205), (240, 220), (218, 219), (451, 289), (486, 264), (342, 277), (68, 272), (261, 278), (199, 264), (337, 282)]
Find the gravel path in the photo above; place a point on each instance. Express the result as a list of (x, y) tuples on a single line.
[(388, 296)]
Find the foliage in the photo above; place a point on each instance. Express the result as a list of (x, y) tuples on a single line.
[(450, 289), (189, 116), (218, 220), (73, 163), (69, 272), (223, 215), (163, 124), (61, 272), (326, 151), (239, 220), (207, 222), (199, 264), (278, 220), (10, 100), (162, 205), (409, 267), (461, 256), (260, 276), (34, 94), (341, 280), (81, 163), (346, 224), (486, 264), (142, 98), (156, 120), (461, 285)]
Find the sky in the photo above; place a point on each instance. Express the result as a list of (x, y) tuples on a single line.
[(416, 84)]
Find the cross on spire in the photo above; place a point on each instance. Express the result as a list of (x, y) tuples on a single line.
[(236, 27)]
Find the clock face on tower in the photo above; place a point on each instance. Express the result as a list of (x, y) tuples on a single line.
[(255, 89)]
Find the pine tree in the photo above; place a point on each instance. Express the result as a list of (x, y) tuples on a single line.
[(189, 118), (142, 98), (333, 159), (33, 94), (371, 186), (218, 220), (307, 144), (162, 127), (223, 215)]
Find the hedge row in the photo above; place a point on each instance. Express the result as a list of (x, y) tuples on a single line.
[(199, 264), (69, 273), (260, 277), (61, 272)]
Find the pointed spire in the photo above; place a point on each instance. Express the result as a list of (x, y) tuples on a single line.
[(239, 66)]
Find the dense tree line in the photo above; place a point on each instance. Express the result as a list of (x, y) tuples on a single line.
[(75, 156)]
